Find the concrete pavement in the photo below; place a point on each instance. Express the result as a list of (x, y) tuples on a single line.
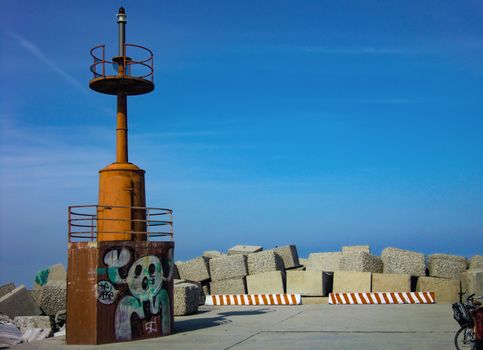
[(331, 327)]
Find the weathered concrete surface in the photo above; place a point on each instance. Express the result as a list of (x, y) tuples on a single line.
[(52, 275), (360, 261), (446, 266), (244, 249), (476, 262), (194, 270), (53, 299), (472, 282), (186, 298), (391, 282), (315, 300), (231, 286), (305, 283), (6, 288), (349, 281), (289, 256), (26, 322), (228, 267), (397, 260), (329, 262), (19, 302), (327, 327), (271, 282), (445, 290), (356, 248), (264, 261), (210, 254)]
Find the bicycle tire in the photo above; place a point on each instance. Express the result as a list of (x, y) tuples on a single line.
[(460, 340)]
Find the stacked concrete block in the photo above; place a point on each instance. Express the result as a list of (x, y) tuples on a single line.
[(230, 286), (194, 270), (27, 322), (228, 267), (175, 272), (476, 262), (53, 299), (54, 275), (6, 288), (445, 290), (446, 266), (19, 302), (289, 256), (349, 281), (186, 298), (9, 335), (403, 261), (271, 282), (472, 282), (391, 282), (244, 249), (360, 261), (264, 261), (303, 261), (356, 248), (329, 262), (210, 254), (305, 283)]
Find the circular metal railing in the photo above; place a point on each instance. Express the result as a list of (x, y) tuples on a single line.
[(133, 68)]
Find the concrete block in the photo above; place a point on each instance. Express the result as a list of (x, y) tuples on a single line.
[(53, 299), (228, 267), (472, 282), (175, 272), (194, 270), (403, 261), (6, 288), (356, 248), (264, 261), (391, 282), (476, 262), (289, 256), (305, 283), (360, 261), (329, 262), (231, 286), (315, 300), (244, 249), (19, 302), (303, 261), (53, 275), (268, 282), (446, 266), (186, 298), (28, 322), (445, 290), (210, 254), (349, 281)]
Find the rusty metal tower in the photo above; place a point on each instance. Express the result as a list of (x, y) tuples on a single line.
[(120, 255), (121, 184)]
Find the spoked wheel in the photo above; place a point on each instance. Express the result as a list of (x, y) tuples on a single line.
[(463, 340)]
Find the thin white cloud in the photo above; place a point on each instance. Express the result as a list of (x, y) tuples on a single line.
[(35, 51)]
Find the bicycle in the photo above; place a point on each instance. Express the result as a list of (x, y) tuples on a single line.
[(464, 313)]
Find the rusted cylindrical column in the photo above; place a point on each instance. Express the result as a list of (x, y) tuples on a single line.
[(121, 130)]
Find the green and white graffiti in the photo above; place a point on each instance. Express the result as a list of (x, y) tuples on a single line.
[(144, 280)]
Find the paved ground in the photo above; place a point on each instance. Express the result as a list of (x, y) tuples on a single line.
[(331, 327)]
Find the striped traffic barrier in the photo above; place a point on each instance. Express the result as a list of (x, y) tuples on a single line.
[(382, 298), (253, 299)]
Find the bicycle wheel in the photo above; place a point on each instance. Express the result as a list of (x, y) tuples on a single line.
[(463, 338)]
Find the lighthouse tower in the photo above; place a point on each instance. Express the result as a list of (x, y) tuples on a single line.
[(120, 254)]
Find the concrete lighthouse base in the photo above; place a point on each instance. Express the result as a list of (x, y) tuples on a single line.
[(121, 192), (119, 291)]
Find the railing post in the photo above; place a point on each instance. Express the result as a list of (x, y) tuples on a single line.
[(68, 220)]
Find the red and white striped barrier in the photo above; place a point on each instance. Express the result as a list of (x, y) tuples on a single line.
[(382, 298), (253, 299)]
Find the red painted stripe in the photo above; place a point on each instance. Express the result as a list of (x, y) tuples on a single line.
[(378, 300), (294, 299)]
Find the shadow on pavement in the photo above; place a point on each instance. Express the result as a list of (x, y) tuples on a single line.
[(193, 324)]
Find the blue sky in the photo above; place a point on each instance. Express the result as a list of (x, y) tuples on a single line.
[(315, 123)]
